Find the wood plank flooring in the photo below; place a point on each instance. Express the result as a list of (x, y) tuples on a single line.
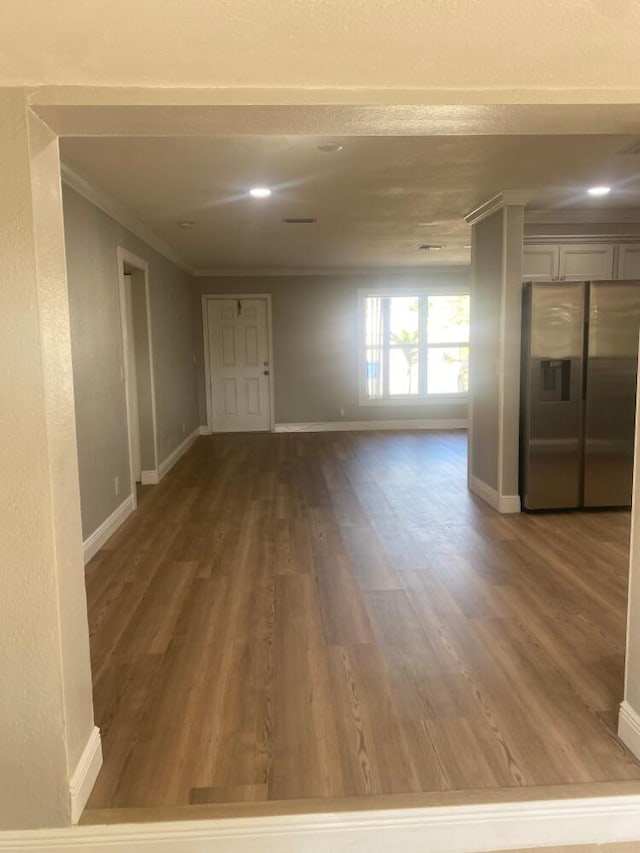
[(321, 615)]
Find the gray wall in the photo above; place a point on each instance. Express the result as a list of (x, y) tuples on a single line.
[(486, 295), (143, 370), (316, 343), (91, 239)]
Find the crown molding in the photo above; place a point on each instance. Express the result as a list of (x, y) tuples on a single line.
[(498, 202), (288, 272), (577, 239), (580, 217), (112, 207)]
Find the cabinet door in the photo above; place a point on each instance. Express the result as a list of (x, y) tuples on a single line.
[(629, 262), (540, 263), (586, 262)]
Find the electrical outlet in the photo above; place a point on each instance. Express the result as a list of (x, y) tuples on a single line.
[(116, 485), (341, 413)]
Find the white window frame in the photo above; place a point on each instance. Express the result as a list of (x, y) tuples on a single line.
[(408, 399)]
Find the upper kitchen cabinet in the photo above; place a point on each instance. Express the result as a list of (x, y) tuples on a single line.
[(540, 263), (629, 261), (569, 262), (586, 262)]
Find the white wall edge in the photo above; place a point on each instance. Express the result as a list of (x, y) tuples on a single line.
[(204, 430), (357, 426), (85, 775), (149, 477), (167, 464), (96, 540), (116, 210), (629, 728), (448, 829)]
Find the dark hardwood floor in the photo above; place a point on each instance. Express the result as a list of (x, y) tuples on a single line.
[(327, 615)]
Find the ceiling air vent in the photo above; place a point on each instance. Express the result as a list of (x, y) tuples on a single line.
[(300, 220), (430, 247)]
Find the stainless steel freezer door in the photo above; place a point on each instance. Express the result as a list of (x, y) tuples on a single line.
[(611, 392), (552, 405)]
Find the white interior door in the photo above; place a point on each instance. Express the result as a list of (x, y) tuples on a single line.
[(132, 382), (239, 364)]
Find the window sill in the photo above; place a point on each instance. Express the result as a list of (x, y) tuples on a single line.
[(430, 400)]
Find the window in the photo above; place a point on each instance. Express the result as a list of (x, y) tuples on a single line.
[(413, 346)]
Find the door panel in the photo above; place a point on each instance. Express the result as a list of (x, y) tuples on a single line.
[(552, 410), (540, 263), (629, 262), (586, 262), (239, 364), (611, 393)]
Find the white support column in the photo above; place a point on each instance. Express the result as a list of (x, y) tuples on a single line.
[(494, 398), (50, 749), (629, 717)]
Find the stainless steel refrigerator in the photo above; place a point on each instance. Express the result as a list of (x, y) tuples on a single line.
[(578, 392)]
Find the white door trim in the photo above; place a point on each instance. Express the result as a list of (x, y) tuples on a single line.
[(126, 257), (206, 297)]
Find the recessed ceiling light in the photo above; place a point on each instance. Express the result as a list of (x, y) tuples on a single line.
[(330, 147), (186, 224), (430, 247), (599, 190), (259, 192)]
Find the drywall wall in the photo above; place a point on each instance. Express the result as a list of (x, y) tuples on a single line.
[(510, 354), (46, 715), (143, 369), (92, 239), (632, 663), (496, 294), (486, 295), (315, 339), (408, 44)]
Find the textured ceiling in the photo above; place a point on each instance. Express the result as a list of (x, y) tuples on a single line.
[(403, 44), (375, 201)]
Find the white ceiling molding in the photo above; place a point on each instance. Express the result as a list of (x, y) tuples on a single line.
[(497, 202), (579, 217), (113, 208), (440, 269), (535, 239)]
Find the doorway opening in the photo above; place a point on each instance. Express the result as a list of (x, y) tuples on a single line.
[(137, 349)]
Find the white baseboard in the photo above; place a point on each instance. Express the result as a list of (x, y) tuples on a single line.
[(357, 426), (509, 504), (85, 775), (93, 543), (204, 430), (502, 503), (167, 464), (447, 829), (152, 477), (629, 728)]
